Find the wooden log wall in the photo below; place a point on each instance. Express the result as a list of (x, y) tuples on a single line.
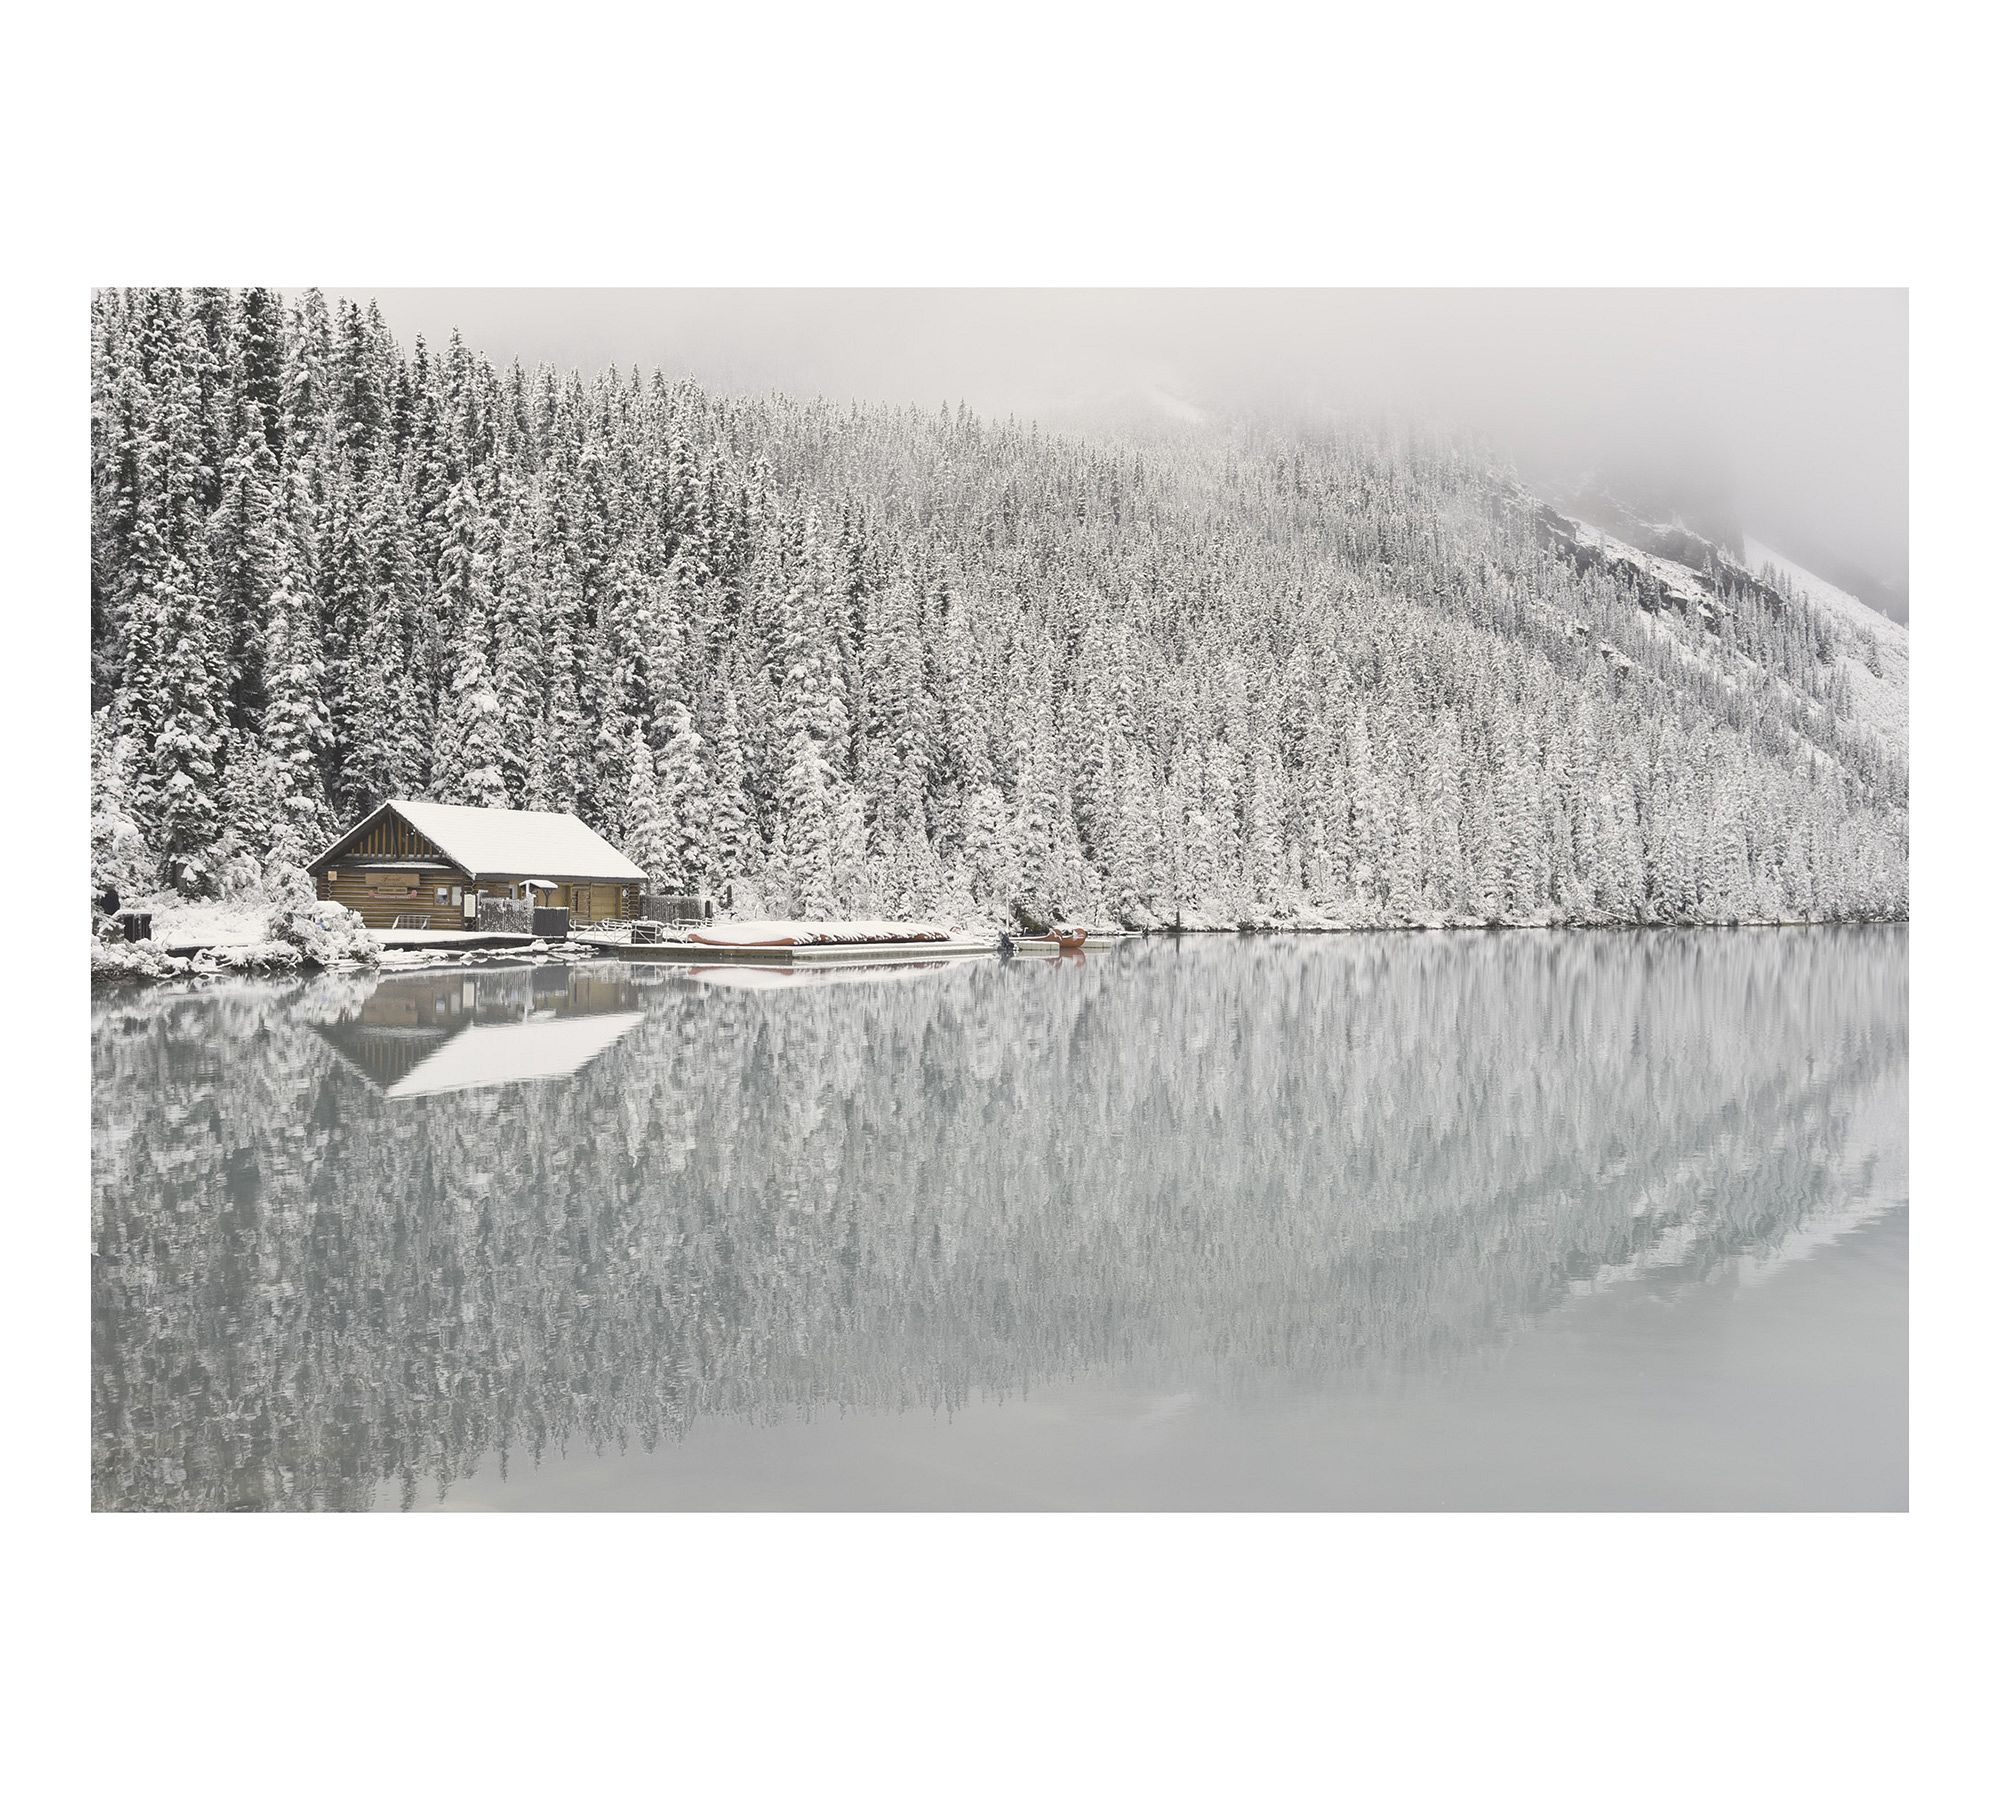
[(379, 895)]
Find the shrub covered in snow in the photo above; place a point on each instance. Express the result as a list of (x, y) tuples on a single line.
[(113, 959), (748, 900), (324, 932), (285, 884), (236, 872), (119, 858)]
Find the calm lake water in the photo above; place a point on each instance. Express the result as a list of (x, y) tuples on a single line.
[(1410, 1221)]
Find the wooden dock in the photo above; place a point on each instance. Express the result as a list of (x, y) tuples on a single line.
[(784, 955), (789, 955), (460, 940)]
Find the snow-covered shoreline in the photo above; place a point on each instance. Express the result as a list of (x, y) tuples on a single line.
[(115, 961)]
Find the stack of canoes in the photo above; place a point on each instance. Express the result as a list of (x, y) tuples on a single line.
[(791, 934)]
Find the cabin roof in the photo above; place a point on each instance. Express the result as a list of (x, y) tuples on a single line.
[(494, 840)]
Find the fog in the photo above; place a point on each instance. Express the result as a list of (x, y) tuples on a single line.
[(1781, 413)]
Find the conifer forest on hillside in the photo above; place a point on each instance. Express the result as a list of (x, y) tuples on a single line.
[(858, 660)]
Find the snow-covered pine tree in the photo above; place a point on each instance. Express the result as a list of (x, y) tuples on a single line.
[(649, 835), (119, 858), (687, 801), (816, 810), (188, 734), (735, 844), (294, 728), (469, 757), (809, 829), (518, 677), (467, 766)]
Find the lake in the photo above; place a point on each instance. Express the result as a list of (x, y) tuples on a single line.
[(1410, 1221)]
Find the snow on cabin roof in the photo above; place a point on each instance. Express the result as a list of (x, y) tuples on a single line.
[(495, 840)]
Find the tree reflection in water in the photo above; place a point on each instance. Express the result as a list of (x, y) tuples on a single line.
[(1265, 1164)]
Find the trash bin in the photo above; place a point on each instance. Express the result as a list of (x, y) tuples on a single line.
[(138, 926)]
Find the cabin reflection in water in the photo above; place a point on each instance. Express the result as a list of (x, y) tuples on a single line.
[(444, 1033)]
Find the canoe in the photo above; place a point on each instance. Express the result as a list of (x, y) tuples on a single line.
[(1064, 937)]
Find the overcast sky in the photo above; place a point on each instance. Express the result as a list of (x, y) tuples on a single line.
[(1793, 403)]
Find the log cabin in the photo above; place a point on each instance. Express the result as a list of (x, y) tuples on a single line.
[(416, 856)]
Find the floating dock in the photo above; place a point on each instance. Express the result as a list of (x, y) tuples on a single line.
[(425, 939), (785, 943), (780, 955)]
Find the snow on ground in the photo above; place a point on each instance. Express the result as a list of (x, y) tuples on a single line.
[(1687, 640), (1677, 578), (1881, 700), (1839, 600), (1881, 692), (178, 922)]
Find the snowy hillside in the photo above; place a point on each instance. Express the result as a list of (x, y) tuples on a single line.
[(870, 661), (1876, 656), (1695, 592)]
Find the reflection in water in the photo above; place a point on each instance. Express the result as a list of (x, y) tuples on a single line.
[(806, 975), (439, 1033), (1246, 1167)]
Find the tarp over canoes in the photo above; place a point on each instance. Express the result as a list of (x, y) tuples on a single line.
[(780, 934)]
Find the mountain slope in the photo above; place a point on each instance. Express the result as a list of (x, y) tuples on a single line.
[(1877, 653), (853, 660)]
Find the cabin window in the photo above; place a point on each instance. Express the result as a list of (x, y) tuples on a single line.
[(457, 894), (444, 896)]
